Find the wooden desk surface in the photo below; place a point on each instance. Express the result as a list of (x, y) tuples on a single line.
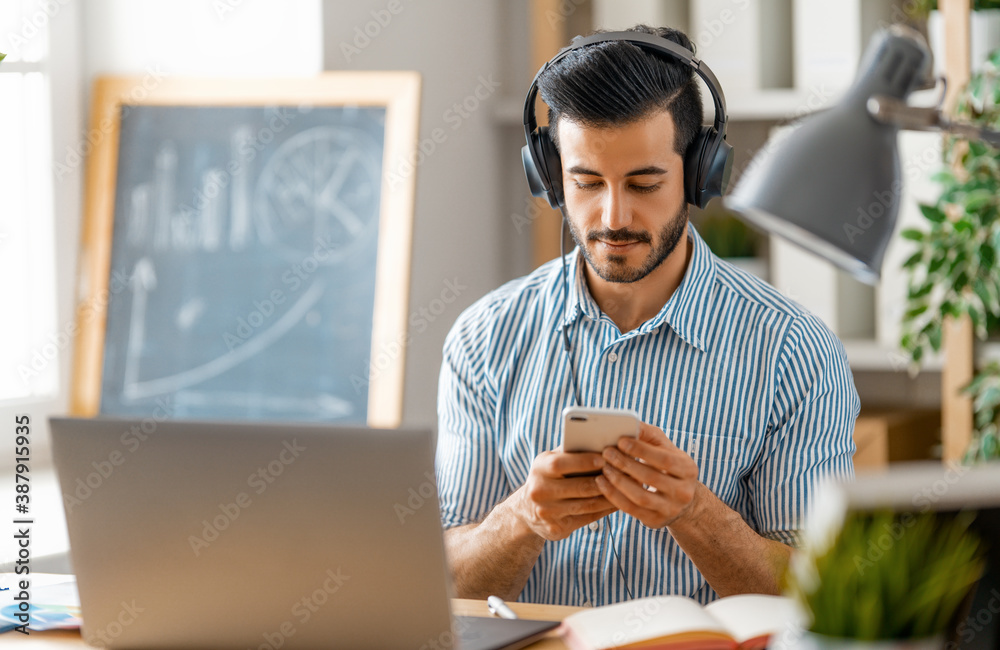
[(63, 639)]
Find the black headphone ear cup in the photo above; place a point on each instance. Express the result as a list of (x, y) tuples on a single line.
[(707, 166), (553, 167), (720, 166), (543, 167), (693, 166), (536, 183)]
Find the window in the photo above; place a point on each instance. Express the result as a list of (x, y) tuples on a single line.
[(31, 347)]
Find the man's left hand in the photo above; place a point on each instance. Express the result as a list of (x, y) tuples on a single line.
[(654, 461)]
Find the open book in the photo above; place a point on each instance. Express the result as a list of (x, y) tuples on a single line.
[(680, 623)]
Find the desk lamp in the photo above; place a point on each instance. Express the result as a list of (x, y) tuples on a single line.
[(833, 185)]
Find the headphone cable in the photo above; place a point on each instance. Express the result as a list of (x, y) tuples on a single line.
[(572, 373), (565, 330)]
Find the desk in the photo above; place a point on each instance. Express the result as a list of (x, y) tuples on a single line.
[(65, 639)]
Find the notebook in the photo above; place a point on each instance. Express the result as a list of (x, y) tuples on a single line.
[(261, 536)]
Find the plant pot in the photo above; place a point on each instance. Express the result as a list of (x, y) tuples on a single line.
[(984, 37), (812, 641)]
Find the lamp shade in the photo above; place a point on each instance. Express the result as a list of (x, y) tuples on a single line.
[(832, 186)]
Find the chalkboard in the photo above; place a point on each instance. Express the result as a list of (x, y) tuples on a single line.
[(253, 267)]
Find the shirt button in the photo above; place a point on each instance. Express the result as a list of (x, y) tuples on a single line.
[(587, 603), (594, 526), (612, 357)]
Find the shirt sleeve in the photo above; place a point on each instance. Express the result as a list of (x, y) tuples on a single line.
[(470, 474), (810, 430)]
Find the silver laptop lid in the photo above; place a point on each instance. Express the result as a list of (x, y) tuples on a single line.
[(250, 535)]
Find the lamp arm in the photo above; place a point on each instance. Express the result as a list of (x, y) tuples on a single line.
[(889, 110)]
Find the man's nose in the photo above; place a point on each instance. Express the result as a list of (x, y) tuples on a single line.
[(617, 213)]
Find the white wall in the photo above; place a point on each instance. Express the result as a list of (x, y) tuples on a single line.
[(460, 228), (459, 225), (66, 87), (94, 37), (454, 46), (202, 37)]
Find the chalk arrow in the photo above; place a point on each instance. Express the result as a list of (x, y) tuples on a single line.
[(143, 281)]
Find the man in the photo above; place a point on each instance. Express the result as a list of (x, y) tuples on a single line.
[(746, 399)]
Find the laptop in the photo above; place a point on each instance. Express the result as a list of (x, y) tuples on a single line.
[(261, 536)]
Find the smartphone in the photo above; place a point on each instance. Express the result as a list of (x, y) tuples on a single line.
[(593, 429)]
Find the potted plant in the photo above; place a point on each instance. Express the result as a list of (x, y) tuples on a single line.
[(731, 239), (885, 579), (984, 30), (924, 7), (954, 270)]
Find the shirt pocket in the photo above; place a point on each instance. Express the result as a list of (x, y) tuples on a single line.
[(721, 460)]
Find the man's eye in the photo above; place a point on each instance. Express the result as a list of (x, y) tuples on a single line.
[(587, 186), (645, 189)]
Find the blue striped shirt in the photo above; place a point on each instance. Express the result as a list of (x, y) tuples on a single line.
[(752, 386)]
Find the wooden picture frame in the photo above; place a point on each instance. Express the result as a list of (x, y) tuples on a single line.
[(336, 93)]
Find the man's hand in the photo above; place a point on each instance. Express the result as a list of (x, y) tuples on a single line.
[(553, 506), (652, 460)]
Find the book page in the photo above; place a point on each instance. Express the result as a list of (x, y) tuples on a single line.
[(646, 618), (749, 616)]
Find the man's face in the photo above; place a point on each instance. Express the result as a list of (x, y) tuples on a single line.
[(624, 190)]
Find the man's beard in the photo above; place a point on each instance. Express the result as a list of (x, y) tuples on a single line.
[(617, 270)]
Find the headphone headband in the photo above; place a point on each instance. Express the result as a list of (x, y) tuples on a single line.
[(707, 161), (646, 42)]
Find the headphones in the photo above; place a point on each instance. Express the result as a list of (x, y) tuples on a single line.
[(707, 162)]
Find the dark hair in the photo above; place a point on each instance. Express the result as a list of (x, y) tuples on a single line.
[(617, 83)]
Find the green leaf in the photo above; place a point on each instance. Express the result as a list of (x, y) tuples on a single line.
[(2, 56), (975, 201), (978, 320), (963, 225), (988, 215), (916, 311), (990, 448), (915, 294), (944, 177), (992, 299), (934, 336), (932, 213), (979, 288), (913, 260), (960, 258), (988, 398), (913, 234), (987, 255)]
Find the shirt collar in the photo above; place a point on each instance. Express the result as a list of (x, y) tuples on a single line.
[(683, 312), (580, 300)]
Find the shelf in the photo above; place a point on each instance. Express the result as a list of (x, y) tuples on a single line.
[(987, 352), (869, 354), (864, 354), (778, 105)]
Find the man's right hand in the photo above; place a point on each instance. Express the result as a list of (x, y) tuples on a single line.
[(551, 505)]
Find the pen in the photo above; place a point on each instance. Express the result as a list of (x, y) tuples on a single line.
[(499, 608)]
